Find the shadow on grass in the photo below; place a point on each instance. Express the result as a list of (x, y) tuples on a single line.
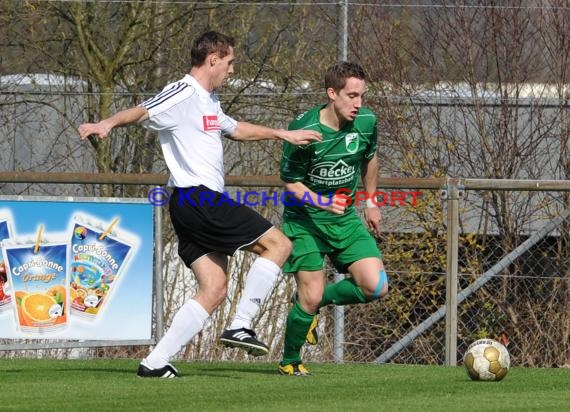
[(186, 370), (216, 371), (11, 371), (130, 371)]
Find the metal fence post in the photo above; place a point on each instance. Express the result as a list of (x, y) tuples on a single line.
[(338, 311), (453, 192), (343, 29), (338, 331), (158, 263)]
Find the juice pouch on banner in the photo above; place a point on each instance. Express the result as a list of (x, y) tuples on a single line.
[(99, 253), (5, 233), (38, 277)]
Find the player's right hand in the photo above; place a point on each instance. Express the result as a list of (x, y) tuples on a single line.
[(337, 206), (300, 137)]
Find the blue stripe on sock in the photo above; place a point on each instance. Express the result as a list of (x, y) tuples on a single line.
[(381, 281)]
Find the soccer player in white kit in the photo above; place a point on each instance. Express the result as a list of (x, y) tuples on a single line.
[(191, 123)]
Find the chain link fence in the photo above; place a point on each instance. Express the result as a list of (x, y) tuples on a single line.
[(514, 287), (511, 286)]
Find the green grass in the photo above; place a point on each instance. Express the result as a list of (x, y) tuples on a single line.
[(105, 385)]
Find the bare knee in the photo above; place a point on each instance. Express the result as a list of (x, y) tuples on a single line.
[(274, 245), (370, 276), (212, 296), (383, 292), (310, 300), (280, 244), (375, 287), (310, 289), (211, 273), (284, 248), (219, 294)]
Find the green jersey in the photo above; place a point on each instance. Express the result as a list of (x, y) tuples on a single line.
[(330, 166)]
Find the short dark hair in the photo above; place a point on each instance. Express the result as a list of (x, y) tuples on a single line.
[(338, 73), (207, 43)]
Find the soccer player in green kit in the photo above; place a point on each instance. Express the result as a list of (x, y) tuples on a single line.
[(320, 218)]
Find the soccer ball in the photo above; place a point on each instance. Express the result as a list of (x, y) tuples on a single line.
[(487, 360)]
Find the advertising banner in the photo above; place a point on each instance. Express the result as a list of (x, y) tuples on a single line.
[(80, 269)]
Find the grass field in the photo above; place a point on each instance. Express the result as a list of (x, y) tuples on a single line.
[(111, 385)]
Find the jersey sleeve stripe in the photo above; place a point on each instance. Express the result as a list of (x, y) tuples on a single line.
[(164, 95)]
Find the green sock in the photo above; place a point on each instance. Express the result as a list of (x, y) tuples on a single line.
[(298, 323), (344, 292)]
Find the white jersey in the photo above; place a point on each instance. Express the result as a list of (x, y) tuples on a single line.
[(190, 121)]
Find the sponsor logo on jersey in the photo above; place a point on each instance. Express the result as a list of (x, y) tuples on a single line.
[(331, 173), (211, 123), (351, 142)]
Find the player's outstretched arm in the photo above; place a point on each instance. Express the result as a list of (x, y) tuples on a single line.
[(123, 118), (248, 131)]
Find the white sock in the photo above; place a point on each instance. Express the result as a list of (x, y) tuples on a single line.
[(188, 321), (258, 283)]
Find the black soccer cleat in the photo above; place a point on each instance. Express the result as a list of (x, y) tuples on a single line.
[(244, 339), (168, 371)]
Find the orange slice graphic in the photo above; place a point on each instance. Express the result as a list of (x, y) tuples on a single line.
[(35, 307)]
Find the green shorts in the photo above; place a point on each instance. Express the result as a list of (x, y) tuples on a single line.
[(344, 242)]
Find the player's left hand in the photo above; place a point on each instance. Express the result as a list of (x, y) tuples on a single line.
[(373, 218)]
